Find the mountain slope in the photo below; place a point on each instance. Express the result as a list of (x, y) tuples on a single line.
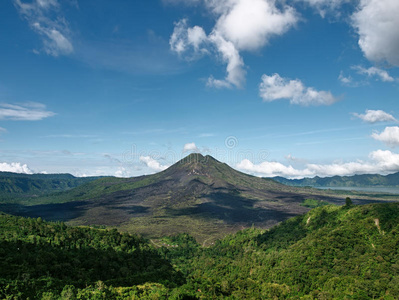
[(366, 180), (198, 195)]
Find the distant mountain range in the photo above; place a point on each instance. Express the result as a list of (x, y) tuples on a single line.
[(367, 180), (15, 185), (197, 195)]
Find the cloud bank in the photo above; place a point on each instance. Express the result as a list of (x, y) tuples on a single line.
[(15, 167), (380, 161)]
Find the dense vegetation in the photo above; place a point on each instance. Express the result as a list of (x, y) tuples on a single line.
[(313, 203), (343, 252), (40, 259), (366, 180)]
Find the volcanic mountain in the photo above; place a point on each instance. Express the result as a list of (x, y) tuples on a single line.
[(198, 195)]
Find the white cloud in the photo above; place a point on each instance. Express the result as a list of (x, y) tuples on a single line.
[(374, 116), (390, 136), (235, 65), (44, 18), (345, 80), (377, 23), (2, 130), (271, 169), (122, 172), (375, 72), (55, 43), (275, 88), (249, 24), (380, 161), (190, 147), (242, 25), (152, 163), (15, 167), (196, 36), (31, 111), (187, 39), (294, 159), (324, 6), (47, 3)]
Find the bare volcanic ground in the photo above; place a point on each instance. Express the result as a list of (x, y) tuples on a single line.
[(198, 195)]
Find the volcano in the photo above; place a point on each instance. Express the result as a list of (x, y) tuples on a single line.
[(198, 195)]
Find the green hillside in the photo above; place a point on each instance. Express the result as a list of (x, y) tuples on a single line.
[(39, 259), (332, 252)]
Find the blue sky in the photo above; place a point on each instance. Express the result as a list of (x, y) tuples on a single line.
[(292, 88)]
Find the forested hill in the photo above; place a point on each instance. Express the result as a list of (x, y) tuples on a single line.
[(332, 252), (366, 180), (40, 260), (13, 185)]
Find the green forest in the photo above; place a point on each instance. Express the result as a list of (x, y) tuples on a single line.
[(341, 252)]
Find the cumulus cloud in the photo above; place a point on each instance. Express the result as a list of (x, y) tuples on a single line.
[(242, 25), (152, 163), (249, 24), (54, 31), (188, 41), (235, 65), (380, 161), (15, 167), (275, 88), (376, 22), (31, 111), (375, 72), (190, 147), (374, 116), (271, 169), (390, 136)]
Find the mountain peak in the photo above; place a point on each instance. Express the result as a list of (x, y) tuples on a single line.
[(193, 157), (195, 164), (196, 160)]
